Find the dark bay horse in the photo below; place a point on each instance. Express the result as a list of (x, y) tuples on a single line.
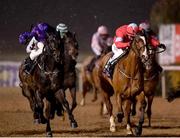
[(151, 79), (127, 81), (47, 82), (173, 93)]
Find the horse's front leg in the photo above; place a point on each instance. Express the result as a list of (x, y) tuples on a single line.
[(149, 112), (73, 96), (61, 97), (138, 129), (120, 113), (40, 104), (48, 116), (127, 112)]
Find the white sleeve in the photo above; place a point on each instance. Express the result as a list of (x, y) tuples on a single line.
[(95, 45)]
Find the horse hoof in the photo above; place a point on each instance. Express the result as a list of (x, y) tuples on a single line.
[(74, 125), (138, 131), (113, 129), (43, 121), (49, 134), (120, 117)]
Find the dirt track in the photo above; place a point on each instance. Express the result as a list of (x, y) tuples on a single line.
[(16, 119)]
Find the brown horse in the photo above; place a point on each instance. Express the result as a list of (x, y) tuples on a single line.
[(88, 79), (127, 80)]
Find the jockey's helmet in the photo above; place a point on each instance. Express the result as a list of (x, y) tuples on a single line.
[(102, 30), (132, 29), (62, 28), (24, 38), (144, 26)]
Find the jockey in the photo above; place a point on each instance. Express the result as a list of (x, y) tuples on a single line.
[(35, 40), (62, 29), (100, 41), (122, 43), (154, 42)]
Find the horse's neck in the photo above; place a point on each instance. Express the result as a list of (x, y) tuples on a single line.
[(69, 63), (50, 64), (131, 61), (152, 71)]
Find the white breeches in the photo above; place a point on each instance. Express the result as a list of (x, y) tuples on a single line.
[(117, 52)]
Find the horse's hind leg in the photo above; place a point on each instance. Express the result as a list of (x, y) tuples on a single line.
[(84, 92), (107, 101), (60, 96), (150, 100)]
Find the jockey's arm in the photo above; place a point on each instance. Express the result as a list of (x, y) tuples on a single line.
[(154, 41), (120, 44), (95, 46)]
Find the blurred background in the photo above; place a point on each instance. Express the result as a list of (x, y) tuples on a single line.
[(84, 17)]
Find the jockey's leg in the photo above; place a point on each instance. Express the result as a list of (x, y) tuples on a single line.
[(117, 52)]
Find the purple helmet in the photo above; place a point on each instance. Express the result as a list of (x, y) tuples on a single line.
[(39, 31), (43, 26), (24, 37)]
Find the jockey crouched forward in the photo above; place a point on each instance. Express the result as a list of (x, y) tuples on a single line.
[(121, 45), (152, 39), (35, 40), (101, 40)]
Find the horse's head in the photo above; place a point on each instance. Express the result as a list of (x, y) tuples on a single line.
[(53, 47), (139, 45), (71, 45)]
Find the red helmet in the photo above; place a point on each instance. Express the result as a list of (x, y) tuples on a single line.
[(132, 29)]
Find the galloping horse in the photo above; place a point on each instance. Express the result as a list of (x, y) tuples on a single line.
[(48, 82), (127, 81), (88, 79)]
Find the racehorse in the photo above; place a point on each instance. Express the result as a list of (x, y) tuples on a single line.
[(88, 79), (47, 81), (126, 82)]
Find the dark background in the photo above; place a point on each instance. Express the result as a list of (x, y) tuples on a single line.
[(82, 16)]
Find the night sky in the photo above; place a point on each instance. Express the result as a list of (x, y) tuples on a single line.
[(82, 16)]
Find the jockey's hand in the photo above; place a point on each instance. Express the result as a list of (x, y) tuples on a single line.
[(162, 46)]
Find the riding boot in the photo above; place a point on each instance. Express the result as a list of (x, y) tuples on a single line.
[(107, 69)]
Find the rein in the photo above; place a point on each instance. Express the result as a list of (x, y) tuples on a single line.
[(126, 75)]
